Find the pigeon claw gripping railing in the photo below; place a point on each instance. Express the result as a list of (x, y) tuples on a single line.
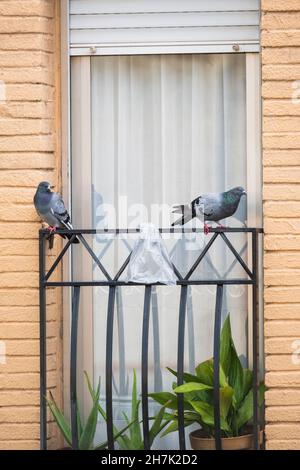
[(112, 283)]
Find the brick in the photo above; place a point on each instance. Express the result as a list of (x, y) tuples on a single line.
[(282, 397), (281, 192), (283, 20), (20, 296), (282, 277), (25, 381), (25, 313), (284, 379), (281, 55), (279, 90), (12, 230), (282, 362), (281, 107), (283, 444), (21, 263), (27, 109), (19, 444), (24, 161), (25, 25), (13, 127), (282, 295), (28, 59), (283, 431), (279, 345), (287, 226), (16, 212), (39, 75), (281, 72), (18, 397), (281, 312), (280, 5), (276, 260), (16, 279), (26, 8), (29, 92), (281, 175), (26, 364), (17, 414), (281, 157), (281, 242), (16, 178), (27, 42), (282, 328), (282, 209), (19, 431), (25, 330), (288, 140), (29, 143), (281, 123), (283, 413), (29, 347), (280, 38)]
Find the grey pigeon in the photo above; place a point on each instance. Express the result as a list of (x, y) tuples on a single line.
[(51, 208), (210, 207)]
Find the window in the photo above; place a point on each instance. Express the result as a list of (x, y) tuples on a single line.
[(150, 129)]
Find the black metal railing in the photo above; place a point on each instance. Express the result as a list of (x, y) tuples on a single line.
[(112, 283)]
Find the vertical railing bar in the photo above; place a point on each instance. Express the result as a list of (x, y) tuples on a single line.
[(216, 374), (43, 350), (255, 341), (145, 341), (73, 366), (109, 358), (180, 364)]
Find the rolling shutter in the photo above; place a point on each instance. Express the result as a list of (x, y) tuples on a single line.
[(160, 26)]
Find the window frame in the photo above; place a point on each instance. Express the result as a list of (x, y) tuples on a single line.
[(254, 176)]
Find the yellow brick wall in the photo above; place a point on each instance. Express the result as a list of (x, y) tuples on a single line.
[(29, 153), (281, 160)]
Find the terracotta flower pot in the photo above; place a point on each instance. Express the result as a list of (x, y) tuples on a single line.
[(200, 441)]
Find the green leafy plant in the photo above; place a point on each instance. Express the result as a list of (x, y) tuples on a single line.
[(86, 431), (236, 393), (133, 438)]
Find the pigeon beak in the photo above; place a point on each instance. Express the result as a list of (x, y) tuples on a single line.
[(51, 187), (244, 192)]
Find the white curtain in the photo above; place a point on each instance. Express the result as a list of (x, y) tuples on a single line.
[(165, 128)]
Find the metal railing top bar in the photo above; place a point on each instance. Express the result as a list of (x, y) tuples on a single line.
[(117, 231), (112, 283)]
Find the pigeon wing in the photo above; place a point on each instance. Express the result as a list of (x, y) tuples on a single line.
[(59, 210), (207, 205)]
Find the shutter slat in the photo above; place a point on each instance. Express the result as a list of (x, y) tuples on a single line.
[(163, 6), (161, 23), (158, 20)]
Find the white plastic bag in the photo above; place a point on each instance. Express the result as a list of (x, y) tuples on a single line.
[(149, 262)]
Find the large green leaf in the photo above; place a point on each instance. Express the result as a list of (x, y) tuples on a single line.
[(206, 412), (187, 377), (60, 420), (192, 387), (89, 429), (135, 429), (205, 373), (174, 425), (226, 395), (117, 435), (231, 363), (225, 346), (245, 412), (169, 400), (158, 425)]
